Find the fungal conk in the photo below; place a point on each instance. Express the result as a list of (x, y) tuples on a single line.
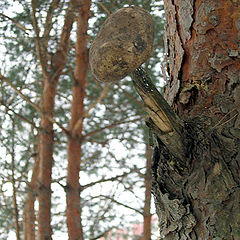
[(123, 43)]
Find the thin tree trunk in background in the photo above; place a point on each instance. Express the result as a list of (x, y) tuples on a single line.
[(46, 135), (29, 218), (147, 204), (29, 210), (15, 205), (197, 194), (73, 212), (46, 160)]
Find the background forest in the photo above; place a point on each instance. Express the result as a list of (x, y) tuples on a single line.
[(71, 147)]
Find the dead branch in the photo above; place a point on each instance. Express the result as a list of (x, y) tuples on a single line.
[(162, 118)]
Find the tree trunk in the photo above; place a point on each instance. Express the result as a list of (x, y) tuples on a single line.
[(46, 161), (74, 223), (13, 180), (197, 185), (29, 216), (147, 216), (46, 138)]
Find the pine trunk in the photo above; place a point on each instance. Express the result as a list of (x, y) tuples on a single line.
[(13, 180), (74, 223), (196, 190), (46, 161), (29, 216), (147, 216), (46, 137)]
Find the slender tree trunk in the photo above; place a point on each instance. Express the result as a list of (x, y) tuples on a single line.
[(15, 205), (196, 190), (29, 218), (29, 210), (46, 160), (51, 78), (147, 203), (74, 222)]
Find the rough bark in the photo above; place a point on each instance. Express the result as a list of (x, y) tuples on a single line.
[(197, 194), (76, 123)]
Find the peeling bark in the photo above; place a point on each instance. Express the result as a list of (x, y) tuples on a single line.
[(200, 198)]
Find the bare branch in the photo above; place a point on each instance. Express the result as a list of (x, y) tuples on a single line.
[(85, 114), (65, 131), (103, 94), (102, 234), (31, 103), (121, 204), (39, 49), (16, 23), (112, 126), (60, 57), (106, 180), (48, 22), (162, 118), (104, 8), (19, 93), (19, 115)]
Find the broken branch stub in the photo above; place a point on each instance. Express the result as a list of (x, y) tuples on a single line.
[(164, 121), (123, 43)]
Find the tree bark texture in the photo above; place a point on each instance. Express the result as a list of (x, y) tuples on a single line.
[(76, 124), (198, 196)]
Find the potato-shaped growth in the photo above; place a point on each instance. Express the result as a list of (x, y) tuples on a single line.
[(123, 43)]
